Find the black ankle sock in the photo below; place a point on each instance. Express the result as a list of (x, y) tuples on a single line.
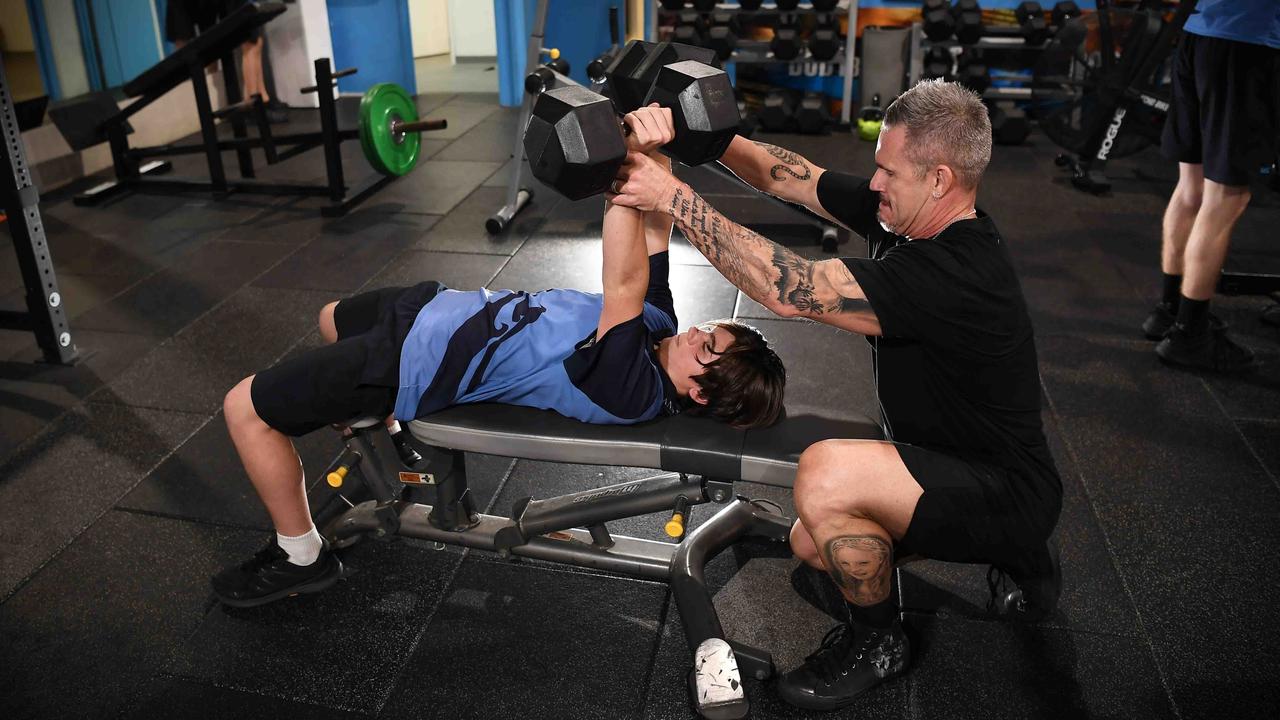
[(1193, 315), (1172, 291), (880, 615)]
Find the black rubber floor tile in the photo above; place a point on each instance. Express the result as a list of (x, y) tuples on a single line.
[(565, 644), (343, 264), (194, 370), (810, 351), (343, 648), (87, 632), (203, 479), (502, 178), (462, 113), (463, 229), (63, 479), (964, 669), (1093, 596), (456, 270), (35, 392), (1262, 436), (436, 187), (170, 299), (491, 140), (78, 293), (1166, 471), (175, 697)]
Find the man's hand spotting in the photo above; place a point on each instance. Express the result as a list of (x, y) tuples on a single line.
[(644, 184)]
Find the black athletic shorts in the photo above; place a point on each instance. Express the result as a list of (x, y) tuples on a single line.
[(1226, 107), (357, 376), (184, 19), (973, 512)]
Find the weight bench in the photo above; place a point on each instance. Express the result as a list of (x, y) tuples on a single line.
[(701, 460)]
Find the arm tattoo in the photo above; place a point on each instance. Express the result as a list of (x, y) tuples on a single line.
[(861, 565), (789, 160), (759, 267)]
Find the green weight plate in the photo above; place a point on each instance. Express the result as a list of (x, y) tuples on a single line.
[(388, 152)]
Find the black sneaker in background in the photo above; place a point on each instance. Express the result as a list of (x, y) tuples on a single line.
[(1162, 319), (1214, 351), (269, 576), (851, 660), (1029, 594)]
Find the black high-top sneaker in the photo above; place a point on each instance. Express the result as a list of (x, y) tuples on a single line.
[(1028, 594), (1162, 319), (269, 576), (1210, 350), (403, 443), (851, 660)]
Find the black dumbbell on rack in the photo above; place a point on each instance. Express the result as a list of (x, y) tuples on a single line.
[(824, 39), (938, 62), (968, 16), (973, 71), (1063, 11), (1032, 23), (811, 115), (777, 111), (785, 44), (690, 29), (937, 20), (722, 36)]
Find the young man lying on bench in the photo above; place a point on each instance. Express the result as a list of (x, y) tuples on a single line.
[(601, 358)]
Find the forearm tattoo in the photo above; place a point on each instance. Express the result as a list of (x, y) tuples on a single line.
[(789, 160), (759, 267), (861, 565)]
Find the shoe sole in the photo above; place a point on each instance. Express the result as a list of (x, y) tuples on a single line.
[(319, 584), (1171, 362)]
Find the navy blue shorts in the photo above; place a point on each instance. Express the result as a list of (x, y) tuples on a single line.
[(355, 377), (1226, 107)]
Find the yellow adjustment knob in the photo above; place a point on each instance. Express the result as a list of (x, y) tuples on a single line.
[(336, 477), (554, 53), (675, 526)]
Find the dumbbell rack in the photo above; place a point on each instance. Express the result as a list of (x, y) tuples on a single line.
[(757, 52)]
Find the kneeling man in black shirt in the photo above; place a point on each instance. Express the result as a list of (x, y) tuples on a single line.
[(965, 473)]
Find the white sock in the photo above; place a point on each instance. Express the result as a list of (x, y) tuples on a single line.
[(303, 549), (394, 427)]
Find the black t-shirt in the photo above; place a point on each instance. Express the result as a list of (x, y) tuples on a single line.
[(956, 365)]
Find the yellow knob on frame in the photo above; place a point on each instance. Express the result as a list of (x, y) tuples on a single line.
[(336, 477), (675, 526)]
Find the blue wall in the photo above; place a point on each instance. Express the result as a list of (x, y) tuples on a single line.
[(374, 36), (579, 28)]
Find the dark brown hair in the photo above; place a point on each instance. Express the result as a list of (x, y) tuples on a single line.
[(744, 384)]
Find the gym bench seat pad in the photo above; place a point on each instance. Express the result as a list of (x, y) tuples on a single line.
[(691, 445)]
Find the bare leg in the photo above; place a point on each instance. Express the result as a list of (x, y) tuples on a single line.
[(251, 69), (1179, 217), (854, 497), (271, 462), (1210, 237)]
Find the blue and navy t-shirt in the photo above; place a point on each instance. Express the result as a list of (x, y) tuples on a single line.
[(539, 350), (1249, 21)]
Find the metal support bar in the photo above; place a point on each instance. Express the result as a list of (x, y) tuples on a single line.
[(329, 130), (45, 315)]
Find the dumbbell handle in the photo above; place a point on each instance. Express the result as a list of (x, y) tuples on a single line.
[(399, 126)]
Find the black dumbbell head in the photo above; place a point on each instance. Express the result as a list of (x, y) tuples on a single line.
[(787, 4), (811, 115), (1027, 9), (573, 142), (703, 109), (825, 5), (785, 44), (672, 4), (749, 4), (938, 21), (969, 27), (1064, 10), (625, 92), (775, 113), (937, 62), (659, 56), (704, 5), (723, 36), (824, 40)]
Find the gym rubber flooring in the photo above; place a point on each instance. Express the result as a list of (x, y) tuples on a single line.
[(121, 493)]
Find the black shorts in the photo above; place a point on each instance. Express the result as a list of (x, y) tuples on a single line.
[(357, 376), (184, 19), (1226, 107), (974, 512)]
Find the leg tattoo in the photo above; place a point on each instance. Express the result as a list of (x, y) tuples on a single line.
[(861, 565)]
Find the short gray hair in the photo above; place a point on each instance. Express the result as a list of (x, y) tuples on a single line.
[(946, 124)]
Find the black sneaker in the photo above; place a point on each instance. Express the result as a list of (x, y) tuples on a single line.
[(1214, 351), (1271, 314), (851, 660), (269, 576), (1027, 595), (408, 454), (1162, 319)]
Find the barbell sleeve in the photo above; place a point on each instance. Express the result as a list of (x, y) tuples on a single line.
[(419, 125)]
